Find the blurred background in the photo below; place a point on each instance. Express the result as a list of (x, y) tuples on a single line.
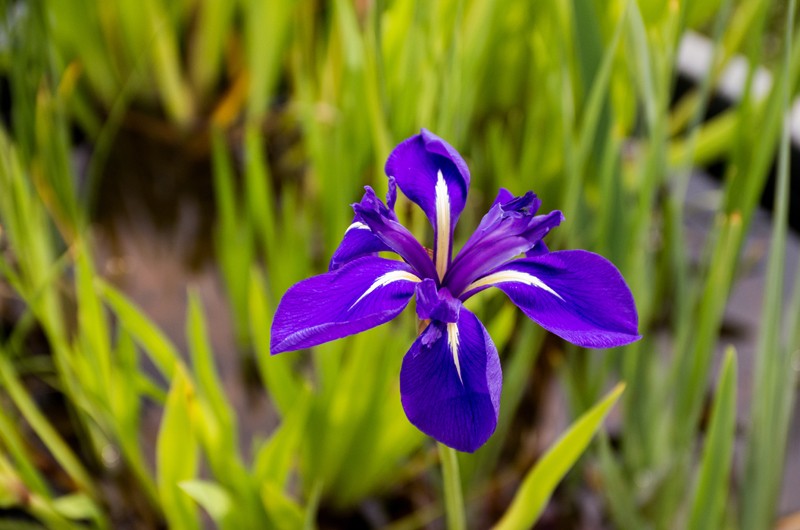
[(169, 168)]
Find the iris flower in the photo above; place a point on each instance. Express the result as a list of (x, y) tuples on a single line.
[(450, 380)]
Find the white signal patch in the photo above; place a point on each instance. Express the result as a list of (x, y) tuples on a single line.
[(452, 342), (512, 276), (386, 279), (358, 225), (442, 225)]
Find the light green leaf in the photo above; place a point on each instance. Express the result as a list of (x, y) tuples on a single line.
[(211, 496), (284, 512), (142, 329), (712, 487), (276, 371), (177, 453), (76, 506), (540, 481), (206, 372), (274, 459)]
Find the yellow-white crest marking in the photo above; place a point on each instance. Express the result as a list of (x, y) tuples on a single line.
[(512, 276), (452, 341), (386, 279), (358, 225), (442, 225)]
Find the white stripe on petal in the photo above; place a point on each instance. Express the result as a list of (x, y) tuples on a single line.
[(452, 341), (386, 279), (512, 276), (442, 225), (358, 225)]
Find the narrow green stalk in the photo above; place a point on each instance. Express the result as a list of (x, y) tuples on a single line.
[(42, 426), (453, 496)]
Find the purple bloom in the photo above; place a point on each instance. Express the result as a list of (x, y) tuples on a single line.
[(451, 378)]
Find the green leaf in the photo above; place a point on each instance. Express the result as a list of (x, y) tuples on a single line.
[(206, 372), (41, 424), (148, 335), (284, 513), (211, 496), (76, 506), (276, 371), (540, 481), (177, 453), (274, 459), (712, 487)]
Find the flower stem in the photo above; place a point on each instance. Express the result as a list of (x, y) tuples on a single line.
[(453, 496)]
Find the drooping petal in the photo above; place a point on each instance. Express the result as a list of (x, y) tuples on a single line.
[(509, 229), (450, 383), (384, 225), (433, 175), (575, 294), (358, 239), (360, 295)]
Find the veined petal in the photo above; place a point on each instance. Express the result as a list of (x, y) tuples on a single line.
[(384, 225), (433, 175), (358, 239), (509, 229), (360, 295), (578, 295), (450, 383)]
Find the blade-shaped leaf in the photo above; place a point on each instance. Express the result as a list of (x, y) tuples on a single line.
[(211, 496), (148, 335), (712, 487), (543, 478), (177, 453)]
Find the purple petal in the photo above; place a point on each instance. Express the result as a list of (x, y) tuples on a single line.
[(453, 398), (432, 174), (383, 223), (358, 239), (503, 196), (361, 295), (578, 295), (509, 229), (537, 250), (436, 304)]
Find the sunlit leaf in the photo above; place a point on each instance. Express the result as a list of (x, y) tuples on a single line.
[(211, 496), (542, 479)]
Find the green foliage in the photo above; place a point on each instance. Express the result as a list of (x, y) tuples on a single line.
[(571, 99), (712, 483), (542, 479)]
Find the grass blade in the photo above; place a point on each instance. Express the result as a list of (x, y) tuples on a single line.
[(177, 453), (712, 487)]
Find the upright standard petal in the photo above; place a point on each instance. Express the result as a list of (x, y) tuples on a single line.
[(360, 295), (359, 240), (509, 229), (450, 383), (575, 294), (432, 174)]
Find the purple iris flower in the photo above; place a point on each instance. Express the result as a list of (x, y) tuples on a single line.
[(451, 379)]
